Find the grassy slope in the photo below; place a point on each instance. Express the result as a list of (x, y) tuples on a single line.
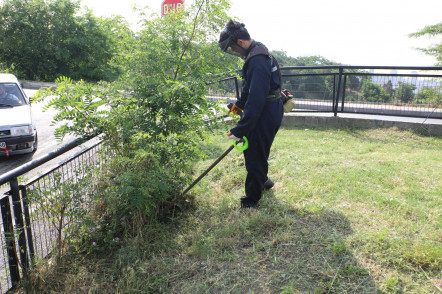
[(352, 211)]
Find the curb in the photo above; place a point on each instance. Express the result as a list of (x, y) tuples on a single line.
[(292, 119), (32, 85)]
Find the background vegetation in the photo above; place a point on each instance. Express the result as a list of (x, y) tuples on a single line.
[(364, 88), (43, 40)]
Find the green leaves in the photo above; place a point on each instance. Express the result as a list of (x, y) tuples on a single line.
[(81, 110), (46, 39), (436, 49)]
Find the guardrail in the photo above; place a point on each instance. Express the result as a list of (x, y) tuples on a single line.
[(26, 233), (380, 90)]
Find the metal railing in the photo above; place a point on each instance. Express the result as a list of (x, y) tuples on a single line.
[(380, 90), (26, 233)]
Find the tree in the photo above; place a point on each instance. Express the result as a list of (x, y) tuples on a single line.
[(373, 92), (435, 50), (388, 88), (316, 87), (313, 87), (404, 92), (284, 59), (43, 40)]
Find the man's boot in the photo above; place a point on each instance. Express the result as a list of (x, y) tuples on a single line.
[(268, 184)]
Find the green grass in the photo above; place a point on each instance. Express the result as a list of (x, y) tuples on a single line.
[(352, 211)]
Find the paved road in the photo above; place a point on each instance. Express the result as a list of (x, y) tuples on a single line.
[(46, 139), (46, 143)]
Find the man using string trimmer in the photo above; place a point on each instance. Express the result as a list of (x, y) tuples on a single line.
[(260, 104)]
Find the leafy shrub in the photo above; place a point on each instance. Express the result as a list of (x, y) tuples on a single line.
[(156, 116), (429, 96), (62, 205)]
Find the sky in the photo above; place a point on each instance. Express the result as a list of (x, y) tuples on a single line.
[(351, 32)]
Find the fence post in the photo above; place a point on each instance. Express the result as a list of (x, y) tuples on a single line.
[(20, 228), (334, 93), (10, 240), (335, 110), (343, 92), (27, 224), (237, 88)]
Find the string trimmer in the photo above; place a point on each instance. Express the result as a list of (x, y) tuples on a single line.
[(244, 146)]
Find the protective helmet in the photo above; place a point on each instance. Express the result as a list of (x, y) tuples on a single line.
[(227, 40)]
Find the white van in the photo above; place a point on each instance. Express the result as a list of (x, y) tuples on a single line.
[(18, 133)]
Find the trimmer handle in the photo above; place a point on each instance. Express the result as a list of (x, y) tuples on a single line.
[(244, 146)]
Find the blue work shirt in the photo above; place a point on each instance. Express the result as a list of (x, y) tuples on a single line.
[(260, 80)]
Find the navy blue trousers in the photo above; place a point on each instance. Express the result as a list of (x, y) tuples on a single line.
[(257, 154)]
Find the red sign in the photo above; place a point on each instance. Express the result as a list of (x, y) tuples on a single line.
[(169, 6)]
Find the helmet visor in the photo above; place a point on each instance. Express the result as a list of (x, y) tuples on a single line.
[(232, 48), (225, 44)]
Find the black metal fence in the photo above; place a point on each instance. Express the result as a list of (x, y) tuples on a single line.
[(397, 91), (28, 228)]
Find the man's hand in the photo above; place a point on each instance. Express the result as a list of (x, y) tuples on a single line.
[(233, 137), (235, 109)]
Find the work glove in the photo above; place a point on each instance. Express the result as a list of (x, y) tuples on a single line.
[(287, 93), (233, 137), (235, 109)]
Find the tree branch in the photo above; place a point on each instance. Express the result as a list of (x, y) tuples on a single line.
[(190, 39)]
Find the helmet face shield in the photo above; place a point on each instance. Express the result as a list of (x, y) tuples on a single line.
[(225, 44), (232, 48)]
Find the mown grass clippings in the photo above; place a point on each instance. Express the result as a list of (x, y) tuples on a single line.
[(73, 274)]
